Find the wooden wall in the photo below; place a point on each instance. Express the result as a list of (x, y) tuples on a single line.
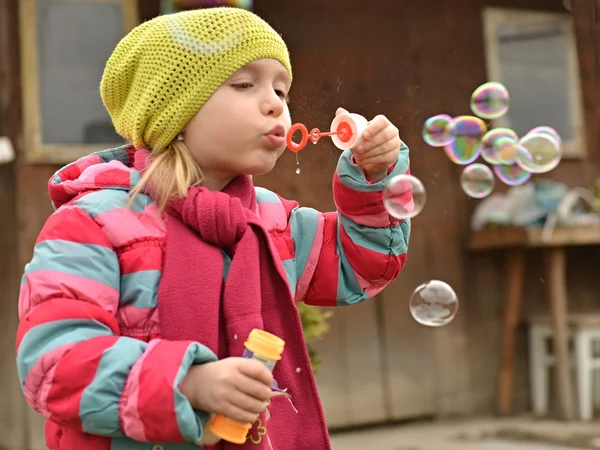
[(407, 60), (12, 423)]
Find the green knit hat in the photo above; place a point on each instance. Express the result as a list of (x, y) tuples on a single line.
[(164, 70)]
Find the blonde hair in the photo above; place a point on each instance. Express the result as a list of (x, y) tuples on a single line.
[(169, 174)]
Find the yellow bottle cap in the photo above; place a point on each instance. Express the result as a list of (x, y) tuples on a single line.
[(228, 429), (265, 344)]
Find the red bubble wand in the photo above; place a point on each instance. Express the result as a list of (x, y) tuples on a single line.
[(345, 131)]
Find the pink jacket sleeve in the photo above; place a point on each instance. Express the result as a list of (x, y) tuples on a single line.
[(347, 256), (74, 367)]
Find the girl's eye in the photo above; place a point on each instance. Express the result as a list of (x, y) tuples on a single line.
[(242, 86), (282, 94)]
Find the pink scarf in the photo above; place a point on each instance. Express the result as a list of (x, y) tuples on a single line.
[(195, 303)]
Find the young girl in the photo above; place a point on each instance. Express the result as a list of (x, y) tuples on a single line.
[(162, 256)]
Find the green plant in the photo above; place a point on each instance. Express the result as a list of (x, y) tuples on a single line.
[(315, 323)]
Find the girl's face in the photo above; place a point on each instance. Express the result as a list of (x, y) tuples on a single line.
[(241, 128)]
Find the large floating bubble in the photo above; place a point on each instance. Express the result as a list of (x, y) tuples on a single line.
[(538, 153)]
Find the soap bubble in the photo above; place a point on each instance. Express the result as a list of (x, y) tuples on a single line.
[(490, 100), (505, 149), (538, 153), (404, 197), (466, 146), (433, 304), (512, 175), (477, 180), (436, 132), (549, 131), (488, 149)]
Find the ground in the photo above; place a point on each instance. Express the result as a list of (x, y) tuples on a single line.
[(523, 433)]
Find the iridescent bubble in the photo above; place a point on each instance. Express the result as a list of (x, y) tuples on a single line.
[(490, 100), (433, 304), (505, 149), (477, 180), (466, 146), (512, 175), (549, 131), (538, 153), (488, 150), (436, 132), (404, 197)]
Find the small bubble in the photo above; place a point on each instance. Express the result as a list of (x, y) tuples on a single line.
[(489, 146), (490, 100), (436, 132), (298, 370), (404, 197), (434, 304), (235, 336), (298, 171), (512, 175), (477, 180), (466, 146)]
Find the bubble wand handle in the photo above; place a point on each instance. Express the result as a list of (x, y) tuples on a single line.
[(265, 348)]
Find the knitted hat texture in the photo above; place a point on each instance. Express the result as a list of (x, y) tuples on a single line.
[(164, 70)]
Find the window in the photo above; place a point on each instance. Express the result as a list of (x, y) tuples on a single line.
[(533, 53), (64, 47)]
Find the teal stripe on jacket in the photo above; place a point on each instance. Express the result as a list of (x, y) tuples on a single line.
[(352, 176), (304, 223), (99, 406), (104, 200), (191, 422), (381, 240), (140, 289), (49, 336), (90, 261)]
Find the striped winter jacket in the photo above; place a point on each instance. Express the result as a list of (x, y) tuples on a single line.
[(89, 356)]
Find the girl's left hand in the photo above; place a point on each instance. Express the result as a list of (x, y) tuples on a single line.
[(379, 148)]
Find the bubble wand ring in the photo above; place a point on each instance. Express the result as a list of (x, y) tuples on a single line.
[(345, 131), (303, 141)]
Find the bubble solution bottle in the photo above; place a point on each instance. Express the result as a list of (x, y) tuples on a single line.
[(265, 348)]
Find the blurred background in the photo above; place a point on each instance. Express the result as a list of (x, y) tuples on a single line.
[(515, 369)]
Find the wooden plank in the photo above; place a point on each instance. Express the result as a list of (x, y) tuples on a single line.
[(555, 271), (515, 268), (586, 18), (507, 237), (362, 347), (13, 419), (332, 377)]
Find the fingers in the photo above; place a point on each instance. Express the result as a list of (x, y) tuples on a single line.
[(247, 403), (386, 157), (238, 414), (378, 124), (387, 137), (253, 388), (256, 370)]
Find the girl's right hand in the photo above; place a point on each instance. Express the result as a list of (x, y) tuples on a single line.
[(238, 388)]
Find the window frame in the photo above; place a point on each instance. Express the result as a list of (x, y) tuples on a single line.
[(35, 150), (493, 17)]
